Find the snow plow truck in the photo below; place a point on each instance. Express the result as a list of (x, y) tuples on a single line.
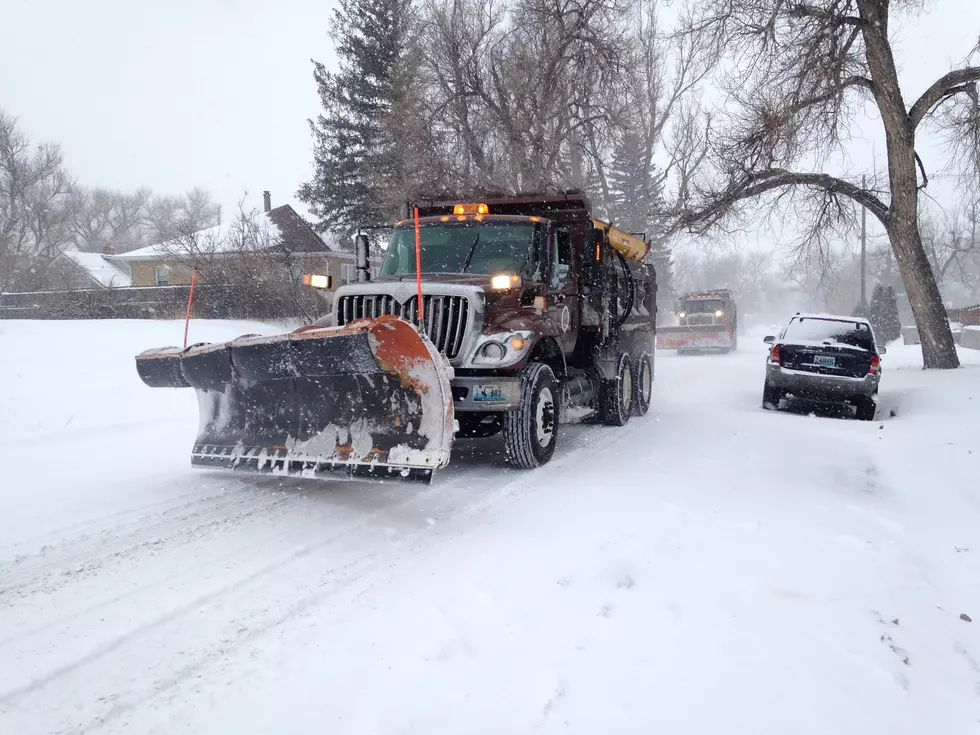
[(507, 315), (707, 321)]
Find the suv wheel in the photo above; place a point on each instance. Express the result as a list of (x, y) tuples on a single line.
[(866, 408), (530, 432), (771, 396)]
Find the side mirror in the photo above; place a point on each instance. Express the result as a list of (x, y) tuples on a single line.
[(769, 340), (361, 256), (882, 350)]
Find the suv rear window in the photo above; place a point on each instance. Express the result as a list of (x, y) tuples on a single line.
[(832, 331)]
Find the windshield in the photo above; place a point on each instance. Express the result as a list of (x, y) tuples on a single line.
[(702, 306), (465, 247), (854, 334)]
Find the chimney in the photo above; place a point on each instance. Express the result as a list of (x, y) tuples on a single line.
[(108, 250), (266, 201)]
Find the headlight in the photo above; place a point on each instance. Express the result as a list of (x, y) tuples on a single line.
[(501, 349), (719, 313), (681, 315), (505, 282), (493, 351)]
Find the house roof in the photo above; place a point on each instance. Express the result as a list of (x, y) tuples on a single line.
[(282, 225), (100, 269)]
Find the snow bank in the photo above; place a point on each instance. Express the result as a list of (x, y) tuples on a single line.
[(75, 376)]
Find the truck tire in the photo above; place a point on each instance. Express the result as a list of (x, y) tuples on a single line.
[(642, 383), (617, 394), (530, 432)]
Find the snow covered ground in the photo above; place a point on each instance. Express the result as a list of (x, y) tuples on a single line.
[(711, 568)]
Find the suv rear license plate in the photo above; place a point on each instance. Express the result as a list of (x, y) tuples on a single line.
[(489, 393), (824, 361)]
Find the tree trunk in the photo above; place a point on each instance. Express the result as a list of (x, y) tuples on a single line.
[(938, 348), (902, 225)]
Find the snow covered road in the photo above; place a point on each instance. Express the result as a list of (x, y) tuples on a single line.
[(709, 568)]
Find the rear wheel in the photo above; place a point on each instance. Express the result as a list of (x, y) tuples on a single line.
[(617, 394), (642, 383), (771, 396), (866, 408), (531, 431)]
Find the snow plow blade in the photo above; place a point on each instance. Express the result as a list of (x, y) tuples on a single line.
[(695, 337), (369, 400)]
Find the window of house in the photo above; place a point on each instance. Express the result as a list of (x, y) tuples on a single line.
[(163, 275), (348, 273)]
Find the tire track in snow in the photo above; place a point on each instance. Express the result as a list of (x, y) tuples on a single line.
[(251, 603)]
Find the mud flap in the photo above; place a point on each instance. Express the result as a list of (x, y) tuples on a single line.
[(369, 400)]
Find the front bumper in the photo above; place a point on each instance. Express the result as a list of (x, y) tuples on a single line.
[(804, 384), (486, 393)]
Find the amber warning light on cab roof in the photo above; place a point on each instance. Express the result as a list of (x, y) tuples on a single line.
[(476, 208)]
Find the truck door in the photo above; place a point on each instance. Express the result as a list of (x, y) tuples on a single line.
[(563, 298)]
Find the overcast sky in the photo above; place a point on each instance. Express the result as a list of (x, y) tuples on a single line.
[(216, 93), (169, 94)]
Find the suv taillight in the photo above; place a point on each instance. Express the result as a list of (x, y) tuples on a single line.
[(774, 357), (875, 365)]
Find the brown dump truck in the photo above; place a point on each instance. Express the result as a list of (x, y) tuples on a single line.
[(532, 314)]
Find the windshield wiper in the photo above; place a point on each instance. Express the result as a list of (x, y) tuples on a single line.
[(469, 255)]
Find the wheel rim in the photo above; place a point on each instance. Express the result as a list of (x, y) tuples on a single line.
[(544, 418), (646, 382), (626, 389)]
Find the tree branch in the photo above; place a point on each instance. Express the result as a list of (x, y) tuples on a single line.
[(769, 180), (947, 85)]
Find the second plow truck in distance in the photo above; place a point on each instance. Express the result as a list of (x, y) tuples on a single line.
[(707, 321), (508, 316)]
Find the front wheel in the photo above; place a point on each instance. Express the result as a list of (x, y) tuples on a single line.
[(530, 432), (617, 394)]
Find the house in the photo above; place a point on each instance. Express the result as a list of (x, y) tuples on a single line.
[(72, 270), (277, 230)]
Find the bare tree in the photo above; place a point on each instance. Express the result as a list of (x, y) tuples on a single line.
[(952, 242), (33, 189), (795, 72), (520, 86)]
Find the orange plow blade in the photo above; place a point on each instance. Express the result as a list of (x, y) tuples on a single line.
[(369, 400)]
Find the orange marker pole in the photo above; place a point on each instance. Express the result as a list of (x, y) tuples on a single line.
[(190, 300), (418, 269)]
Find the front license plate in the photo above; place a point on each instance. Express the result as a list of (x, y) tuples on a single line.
[(824, 361), (489, 393)]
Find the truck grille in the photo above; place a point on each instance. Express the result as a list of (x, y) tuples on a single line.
[(700, 319), (445, 316)]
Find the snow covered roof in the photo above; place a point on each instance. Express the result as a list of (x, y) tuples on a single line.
[(836, 317), (218, 239), (279, 225), (100, 269)]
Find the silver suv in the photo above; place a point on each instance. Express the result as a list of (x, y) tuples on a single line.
[(826, 358)]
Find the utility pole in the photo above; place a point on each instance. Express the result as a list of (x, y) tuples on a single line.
[(864, 249)]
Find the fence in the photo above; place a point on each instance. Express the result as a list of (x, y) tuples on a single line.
[(164, 302)]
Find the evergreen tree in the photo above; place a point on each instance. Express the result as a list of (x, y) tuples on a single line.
[(358, 171), (884, 314), (637, 203)]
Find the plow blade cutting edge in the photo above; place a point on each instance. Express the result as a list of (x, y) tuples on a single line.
[(369, 400), (693, 337)]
